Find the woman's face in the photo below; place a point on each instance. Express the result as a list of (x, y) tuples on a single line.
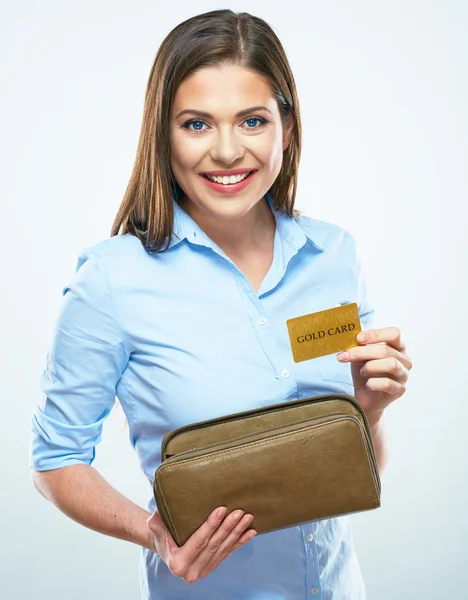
[(226, 119)]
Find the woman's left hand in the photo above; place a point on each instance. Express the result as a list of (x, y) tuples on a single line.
[(380, 369)]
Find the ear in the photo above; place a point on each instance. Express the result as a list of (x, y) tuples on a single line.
[(287, 130)]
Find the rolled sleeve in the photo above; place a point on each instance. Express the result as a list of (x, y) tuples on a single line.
[(84, 364)]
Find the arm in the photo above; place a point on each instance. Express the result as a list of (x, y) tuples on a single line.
[(82, 494), (84, 364)]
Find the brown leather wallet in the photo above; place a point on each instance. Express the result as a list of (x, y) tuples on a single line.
[(286, 464)]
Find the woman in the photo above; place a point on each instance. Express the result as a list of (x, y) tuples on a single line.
[(182, 313)]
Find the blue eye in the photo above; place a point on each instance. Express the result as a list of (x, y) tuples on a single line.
[(198, 124), (193, 122), (254, 119)]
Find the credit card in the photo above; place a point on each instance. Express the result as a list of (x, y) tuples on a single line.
[(324, 332)]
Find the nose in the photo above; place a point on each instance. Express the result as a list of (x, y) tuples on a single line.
[(227, 147)]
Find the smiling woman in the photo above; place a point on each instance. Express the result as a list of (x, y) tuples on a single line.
[(226, 83), (181, 313), (242, 127)]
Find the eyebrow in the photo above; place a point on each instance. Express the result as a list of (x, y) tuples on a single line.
[(241, 113)]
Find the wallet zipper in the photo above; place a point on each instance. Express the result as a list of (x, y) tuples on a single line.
[(263, 410), (246, 439), (247, 436)]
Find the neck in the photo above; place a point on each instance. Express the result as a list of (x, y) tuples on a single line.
[(239, 237)]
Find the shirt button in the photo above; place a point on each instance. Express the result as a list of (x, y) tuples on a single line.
[(314, 590), (285, 373), (309, 537), (262, 321)]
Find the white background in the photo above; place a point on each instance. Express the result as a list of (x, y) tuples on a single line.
[(383, 91)]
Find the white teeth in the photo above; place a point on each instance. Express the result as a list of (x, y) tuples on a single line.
[(228, 180)]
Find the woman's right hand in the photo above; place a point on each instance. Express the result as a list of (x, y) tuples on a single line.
[(210, 544)]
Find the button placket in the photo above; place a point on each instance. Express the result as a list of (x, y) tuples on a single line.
[(266, 336), (312, 572)]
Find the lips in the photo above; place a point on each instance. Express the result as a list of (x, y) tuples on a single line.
[(229, 188), (246, 173), (227, 173)]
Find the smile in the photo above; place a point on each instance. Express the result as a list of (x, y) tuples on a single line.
[(228, 184), (226, 179)]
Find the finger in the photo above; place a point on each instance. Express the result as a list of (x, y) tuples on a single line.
[(248, 535), (374, 351), (224, 544), (385, 366), (157, 528), (244, 538), (199, 540), (171, 545), (390, 335), (164, 543), (229, 528), (385, 384)]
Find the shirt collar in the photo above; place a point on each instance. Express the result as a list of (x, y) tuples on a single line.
[(290, 229)]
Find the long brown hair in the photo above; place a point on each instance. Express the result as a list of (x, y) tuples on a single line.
[(212, 38)]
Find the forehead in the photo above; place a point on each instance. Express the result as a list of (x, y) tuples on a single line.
[(223, 89)]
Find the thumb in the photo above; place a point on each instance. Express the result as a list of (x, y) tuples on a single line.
[(154, 521), (170, 543)]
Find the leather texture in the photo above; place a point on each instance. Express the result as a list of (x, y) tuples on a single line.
[(286, 464)]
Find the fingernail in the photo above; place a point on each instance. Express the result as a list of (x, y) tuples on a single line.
[(343, 356), (362, 337), (221, 512)]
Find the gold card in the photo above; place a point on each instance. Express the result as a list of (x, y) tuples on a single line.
[(324, 332)]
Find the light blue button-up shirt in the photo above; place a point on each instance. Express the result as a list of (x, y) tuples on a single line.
[(181, 336)]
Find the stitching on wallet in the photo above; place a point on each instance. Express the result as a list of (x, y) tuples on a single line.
[(167, 507), (194, 459), (292, 408), (358, 425)]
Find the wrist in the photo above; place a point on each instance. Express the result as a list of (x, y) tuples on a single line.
[(374, 419), (141, 533)]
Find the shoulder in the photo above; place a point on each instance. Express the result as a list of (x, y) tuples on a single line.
[(119, 251), (94, 262), (111, 260), (343, 259), (329, 236)]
